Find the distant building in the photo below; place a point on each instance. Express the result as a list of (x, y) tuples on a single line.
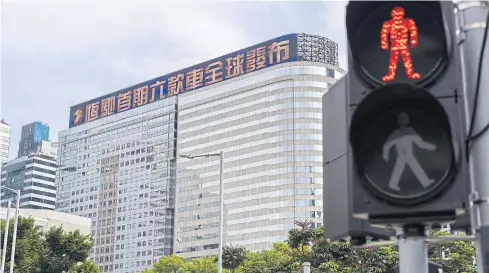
[(31, 137), (4, 141), (45, 219), (47, 148), (34, 175)]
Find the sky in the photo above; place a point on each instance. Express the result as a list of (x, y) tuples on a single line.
[(56, 54)]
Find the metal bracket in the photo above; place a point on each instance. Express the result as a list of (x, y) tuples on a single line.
[(475, 199), (460, 6), (470, 26)]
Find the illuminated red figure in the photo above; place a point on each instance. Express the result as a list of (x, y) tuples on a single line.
[(402, 31)]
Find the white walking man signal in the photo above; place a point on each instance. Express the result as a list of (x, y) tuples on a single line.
[(404, 138)]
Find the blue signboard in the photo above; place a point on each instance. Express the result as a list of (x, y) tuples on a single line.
[(272, 52)]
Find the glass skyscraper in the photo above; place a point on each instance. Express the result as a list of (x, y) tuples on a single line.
[(120, 171), (261, 105)]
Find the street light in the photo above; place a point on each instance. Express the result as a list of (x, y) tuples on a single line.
[(221, 199), (4, 250), (14, 237)]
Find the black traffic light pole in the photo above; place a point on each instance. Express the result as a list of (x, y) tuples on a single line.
[(472, 19)]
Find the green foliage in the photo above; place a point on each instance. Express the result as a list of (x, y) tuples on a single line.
[(170, 264), (29, 244), (53, 252), (87, 266), (233, 257), (459, 255), (64, 250), (306, 244), (203, 265)]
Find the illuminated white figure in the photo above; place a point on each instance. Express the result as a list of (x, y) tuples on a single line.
[(404, 138)]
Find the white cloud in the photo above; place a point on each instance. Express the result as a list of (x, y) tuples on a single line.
[(61, 29)]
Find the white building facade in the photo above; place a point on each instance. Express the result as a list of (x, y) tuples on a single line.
[(268, 124), (4, 141), (34, 176), (46, 219)]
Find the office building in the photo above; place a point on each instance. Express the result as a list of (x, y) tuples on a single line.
[(48, 148), (268, 124), (118, 160), (34, 176), (31, 137), (120, 171), (46, 219), (4, 141)]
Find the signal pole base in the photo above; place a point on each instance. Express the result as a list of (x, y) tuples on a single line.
[(413, 251)]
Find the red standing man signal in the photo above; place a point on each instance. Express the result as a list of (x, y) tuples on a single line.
[(403, 32)]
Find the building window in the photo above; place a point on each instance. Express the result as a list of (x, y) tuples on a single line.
[(330, 72)]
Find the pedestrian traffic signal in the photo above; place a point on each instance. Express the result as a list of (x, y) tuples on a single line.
[(397, 41), (407, 119)]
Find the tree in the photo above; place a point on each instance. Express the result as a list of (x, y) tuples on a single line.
[(233, 257), (300, 239), (87, 266), (29, 244), (64, 250), (459, 255), (203, 265), (275, 260), (170, 264)]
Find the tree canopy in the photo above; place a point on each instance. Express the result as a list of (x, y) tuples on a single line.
[(54, 251), (306, 244)]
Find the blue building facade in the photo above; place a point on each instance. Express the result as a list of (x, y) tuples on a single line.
[(31, 137)]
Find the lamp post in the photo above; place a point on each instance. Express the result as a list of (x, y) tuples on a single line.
[(16, 221), (4, 250), (221, 200)]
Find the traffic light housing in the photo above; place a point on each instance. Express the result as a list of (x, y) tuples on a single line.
[(407, 116), (338, 222)]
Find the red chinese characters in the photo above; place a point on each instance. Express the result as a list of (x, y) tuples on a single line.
[(175, 85), (140, 96), (276, 49), (195, 79), (91, 112), (403, 35), (108, 106), (124, 101), (234, 66), (213, 73), (161, 85)]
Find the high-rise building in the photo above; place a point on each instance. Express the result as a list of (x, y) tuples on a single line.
[(268, 124), (34, 176), (120, 171), (260, 105), (4, 141), (31, 137), (47, 148)]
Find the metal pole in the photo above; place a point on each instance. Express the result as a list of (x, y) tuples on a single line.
[(221, 210), (16, 221), (413, 251), (306, 267), (471, 19), (4, 251)]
